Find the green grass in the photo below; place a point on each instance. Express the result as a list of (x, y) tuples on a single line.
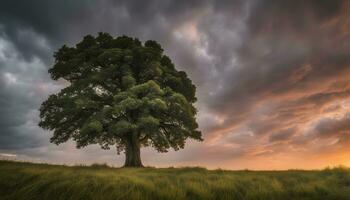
[(42, 181)]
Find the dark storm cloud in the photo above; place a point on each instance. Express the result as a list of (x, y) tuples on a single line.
[(22, 86), (291, 50), (282, 135), (46, 18), (52, 19), (333, 127), (266, 71), (292, 67)]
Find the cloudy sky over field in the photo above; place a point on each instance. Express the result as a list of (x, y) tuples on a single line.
[(273, 77)]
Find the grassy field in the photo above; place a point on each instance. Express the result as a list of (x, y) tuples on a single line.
[(41, 181)]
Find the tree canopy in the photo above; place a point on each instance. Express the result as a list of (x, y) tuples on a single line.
[(122, 93)]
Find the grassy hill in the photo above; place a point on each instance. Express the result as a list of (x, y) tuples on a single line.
[(42, 181)]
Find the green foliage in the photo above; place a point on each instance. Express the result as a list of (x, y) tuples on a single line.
[(42, 181), (93, 126), (128, 81), (120, 87)]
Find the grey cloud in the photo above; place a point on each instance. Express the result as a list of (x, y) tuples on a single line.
[(270, 53), (275, 47), (329, 127), (282, 135), (22, 86)]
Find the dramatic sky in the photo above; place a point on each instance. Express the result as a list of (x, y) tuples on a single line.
[(273, 77)]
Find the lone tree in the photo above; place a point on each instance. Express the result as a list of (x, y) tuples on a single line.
[(121, 93)]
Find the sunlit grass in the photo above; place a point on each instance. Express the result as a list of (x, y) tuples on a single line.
[(42, 181)]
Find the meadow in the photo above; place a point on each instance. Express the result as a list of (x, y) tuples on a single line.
[(20, 180)]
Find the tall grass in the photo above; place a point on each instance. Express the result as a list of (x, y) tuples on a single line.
[(43, 181)]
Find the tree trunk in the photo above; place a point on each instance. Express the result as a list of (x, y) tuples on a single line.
[(132, 152)]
